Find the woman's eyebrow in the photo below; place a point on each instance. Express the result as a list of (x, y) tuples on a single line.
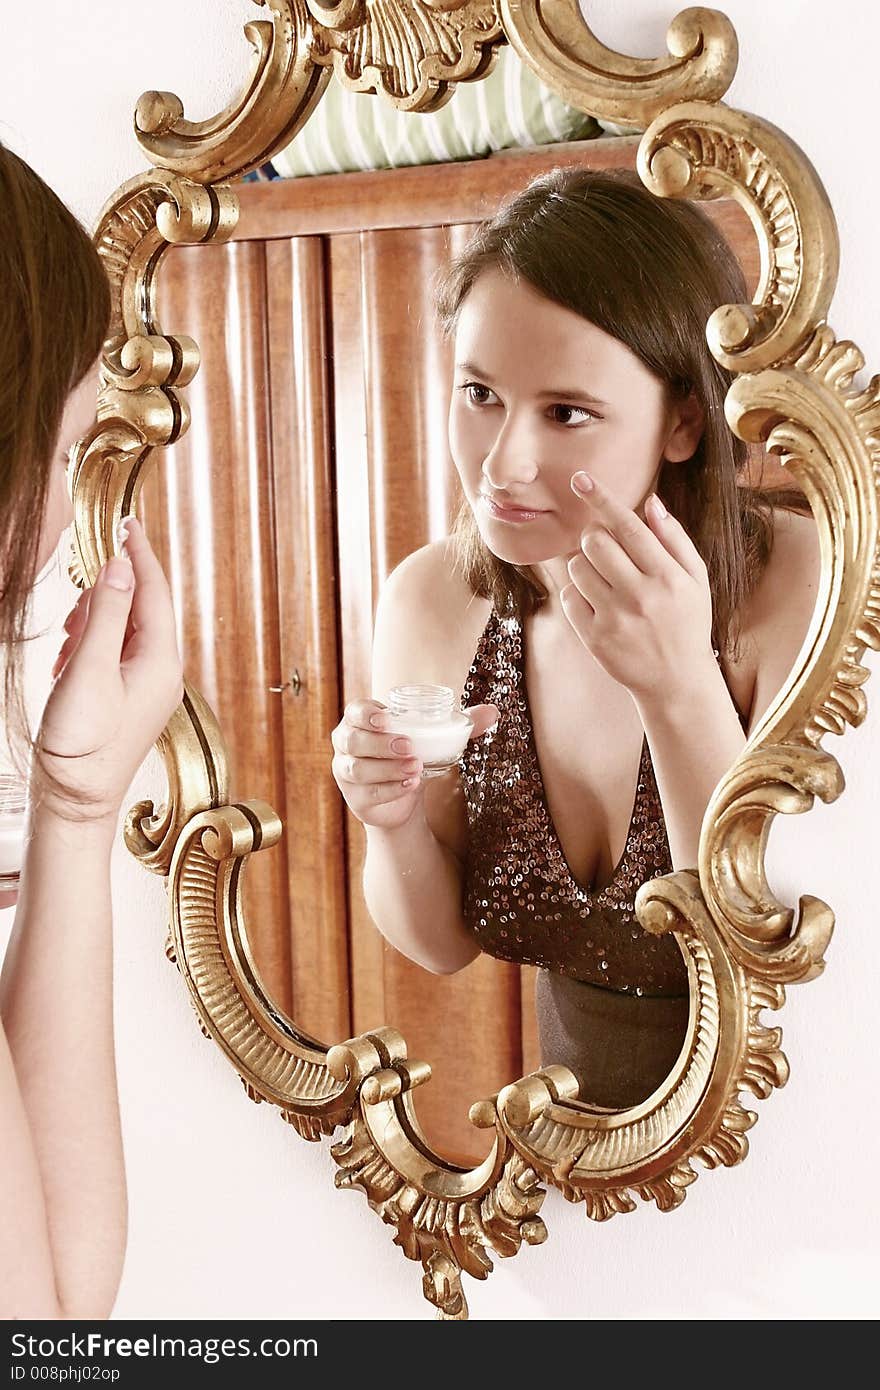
[(577, 393), (560, 394), (472, 367)]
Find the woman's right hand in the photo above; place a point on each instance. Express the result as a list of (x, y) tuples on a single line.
[(374, 767), (118, 680)]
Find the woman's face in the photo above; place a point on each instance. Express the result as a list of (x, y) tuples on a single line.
[(79, 416), (539, 394)]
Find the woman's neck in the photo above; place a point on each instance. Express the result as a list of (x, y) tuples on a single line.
[(553, 574)]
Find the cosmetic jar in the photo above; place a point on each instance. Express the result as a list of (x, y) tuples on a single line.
[(426, 715), (13, 816)]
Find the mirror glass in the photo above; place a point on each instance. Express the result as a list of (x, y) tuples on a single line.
[(323, 453)]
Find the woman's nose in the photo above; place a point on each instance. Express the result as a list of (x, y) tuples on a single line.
[(511, 460)]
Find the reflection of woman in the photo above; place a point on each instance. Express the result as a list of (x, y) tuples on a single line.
[(623, 645), (118, 679)]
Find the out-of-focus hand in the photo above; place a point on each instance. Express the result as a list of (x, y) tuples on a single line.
[(374, 767), (118, 679)]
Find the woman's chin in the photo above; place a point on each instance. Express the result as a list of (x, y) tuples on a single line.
[(515, 550)]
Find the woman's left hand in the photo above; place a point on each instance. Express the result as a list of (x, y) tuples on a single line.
[(639, 596)]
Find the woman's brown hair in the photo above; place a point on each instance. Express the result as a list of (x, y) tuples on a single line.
[(649, 272), (54, 316)]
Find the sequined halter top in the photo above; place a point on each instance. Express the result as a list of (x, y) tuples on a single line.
[(521, 899)]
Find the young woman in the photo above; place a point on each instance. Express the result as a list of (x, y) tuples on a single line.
[(616, 604), (117, 681)]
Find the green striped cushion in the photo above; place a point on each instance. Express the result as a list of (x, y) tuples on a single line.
[(355, 130)]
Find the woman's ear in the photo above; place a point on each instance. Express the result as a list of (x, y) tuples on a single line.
[(687, 422)]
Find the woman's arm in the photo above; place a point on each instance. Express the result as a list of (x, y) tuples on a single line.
[(62, 1199), (425, 631), (640, 601), (412, 885), (63, 1204), (694, 733)]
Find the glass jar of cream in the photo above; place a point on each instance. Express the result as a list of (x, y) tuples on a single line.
[(13, 817), (425, 714)]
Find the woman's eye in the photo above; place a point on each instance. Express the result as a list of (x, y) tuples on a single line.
[(572, 414), (475, 393)]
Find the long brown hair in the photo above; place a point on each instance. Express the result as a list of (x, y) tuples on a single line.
[(649, 272), (54, 316)]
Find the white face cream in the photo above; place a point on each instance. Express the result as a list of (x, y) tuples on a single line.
[(426, 715)]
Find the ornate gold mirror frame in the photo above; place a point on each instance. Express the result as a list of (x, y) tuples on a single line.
[(794, 393)]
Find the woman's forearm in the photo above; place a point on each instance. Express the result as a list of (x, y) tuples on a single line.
[(694, 735), (56, 1004), (27, 1272), (412, 885)]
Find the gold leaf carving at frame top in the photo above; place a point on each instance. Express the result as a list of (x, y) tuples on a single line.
[(411, 51)]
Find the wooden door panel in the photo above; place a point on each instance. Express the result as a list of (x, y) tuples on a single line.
[(207, 504), (310, 702), (392, 379)]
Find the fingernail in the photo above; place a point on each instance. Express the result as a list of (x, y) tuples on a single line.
[(120, 535), (409, 781), (377, 721), (582, 482), (401, 745), (118, 573), (658, 506)]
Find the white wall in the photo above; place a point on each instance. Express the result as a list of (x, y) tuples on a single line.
[(231, 1214)]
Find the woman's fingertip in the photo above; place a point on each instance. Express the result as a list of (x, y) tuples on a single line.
[(118, 573), (659, 510)]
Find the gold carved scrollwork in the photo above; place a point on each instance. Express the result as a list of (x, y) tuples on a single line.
[(552, 37), (605, 1159), (282, 90), (141, 408), (793, 393), (807, 410), (450, 1220), (277, 1062), (698, 150), (412, 53)]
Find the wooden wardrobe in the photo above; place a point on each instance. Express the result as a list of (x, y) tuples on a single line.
[(316, 460)]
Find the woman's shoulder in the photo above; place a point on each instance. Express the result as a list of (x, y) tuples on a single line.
[(781, 606), (428, 620), (790, 578), (425, 571)]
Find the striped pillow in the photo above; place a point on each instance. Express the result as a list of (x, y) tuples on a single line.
[(508, 109)]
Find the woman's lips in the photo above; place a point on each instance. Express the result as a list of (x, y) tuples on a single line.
[(515, 514)]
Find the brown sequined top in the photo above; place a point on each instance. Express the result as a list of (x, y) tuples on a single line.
[(520, 897)]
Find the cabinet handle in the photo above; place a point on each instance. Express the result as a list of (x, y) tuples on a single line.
[(295, 684)]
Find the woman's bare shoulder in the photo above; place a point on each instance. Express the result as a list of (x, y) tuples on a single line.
[(428, 620), (424, 571), (790, 579), (781, 605)]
